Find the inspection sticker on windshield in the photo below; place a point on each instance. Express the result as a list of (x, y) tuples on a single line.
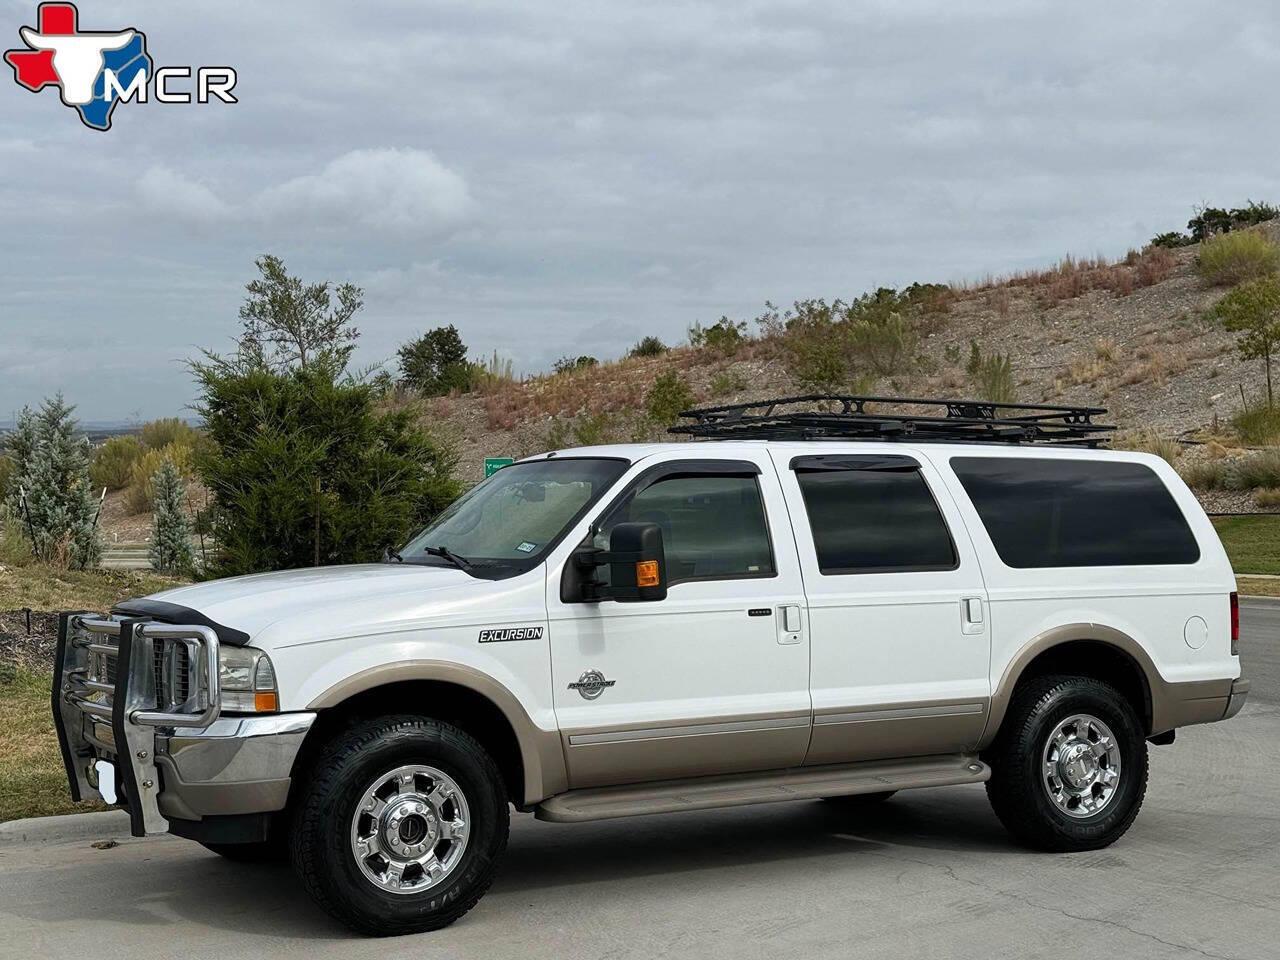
[(527, 547), (502, 634)]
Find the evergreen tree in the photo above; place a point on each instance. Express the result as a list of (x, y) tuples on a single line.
[(170, 538), (52, 469)]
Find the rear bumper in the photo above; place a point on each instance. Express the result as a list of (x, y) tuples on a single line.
[(1235, 700)]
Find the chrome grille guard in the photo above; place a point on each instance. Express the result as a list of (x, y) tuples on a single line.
[(116, 680)]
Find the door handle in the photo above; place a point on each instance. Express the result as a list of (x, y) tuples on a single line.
[(972, 615), (791, 624)]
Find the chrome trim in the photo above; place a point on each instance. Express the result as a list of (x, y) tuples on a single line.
[(691, 730), (902, 713), (236, 749)]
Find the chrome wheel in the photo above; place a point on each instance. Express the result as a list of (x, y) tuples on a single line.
[(410, 828), (1081, 766)]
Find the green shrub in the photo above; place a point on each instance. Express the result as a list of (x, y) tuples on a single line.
[(436, 363), (587, 429), (649, 347), (15, 545), (991, 377), (816, 341), (113, 462), (1232, 258), (304, 467), (724, 335), (667, 398), (1258, 425), (726, 382), (7, 470), (570, 364), (1172, 240), (1204, 474), (1256, 471), (887, 341)]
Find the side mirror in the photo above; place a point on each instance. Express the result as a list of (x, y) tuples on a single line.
[(637, 567), (637, 562)]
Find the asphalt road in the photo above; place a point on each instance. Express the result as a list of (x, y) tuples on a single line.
[(930, 874)]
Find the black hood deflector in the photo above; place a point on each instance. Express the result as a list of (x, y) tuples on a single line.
[(177, 613)]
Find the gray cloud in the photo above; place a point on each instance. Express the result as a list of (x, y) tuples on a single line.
[(563, 177)]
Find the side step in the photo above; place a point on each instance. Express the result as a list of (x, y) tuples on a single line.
[(795, 783)]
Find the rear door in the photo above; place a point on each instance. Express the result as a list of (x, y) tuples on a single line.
[(713, 679), (897, 607)]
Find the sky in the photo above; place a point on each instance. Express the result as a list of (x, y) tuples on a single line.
[(561, 178)]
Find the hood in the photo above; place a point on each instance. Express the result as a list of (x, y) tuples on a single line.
[(336, 596)]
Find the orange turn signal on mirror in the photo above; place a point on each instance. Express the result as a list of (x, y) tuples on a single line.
[(647, 573), (265, 702)]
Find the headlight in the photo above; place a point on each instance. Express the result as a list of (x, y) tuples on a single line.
[(247, 681)]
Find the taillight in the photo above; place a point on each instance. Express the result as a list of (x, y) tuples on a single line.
[(1235, 624)]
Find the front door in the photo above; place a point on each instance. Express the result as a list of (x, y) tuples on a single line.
[(712, 679), (897, 606)]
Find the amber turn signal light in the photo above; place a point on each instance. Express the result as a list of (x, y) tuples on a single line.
[(647, 573), (265, 702)]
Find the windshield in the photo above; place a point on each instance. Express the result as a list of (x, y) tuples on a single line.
[(506, 523)]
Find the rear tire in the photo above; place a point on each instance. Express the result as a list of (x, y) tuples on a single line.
[(400, 826), (1069, 766)]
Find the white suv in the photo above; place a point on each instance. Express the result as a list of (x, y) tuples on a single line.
[(624, 630)]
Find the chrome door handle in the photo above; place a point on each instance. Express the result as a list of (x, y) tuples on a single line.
[(791, 624)]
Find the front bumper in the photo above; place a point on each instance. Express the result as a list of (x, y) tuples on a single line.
[(143, 696)]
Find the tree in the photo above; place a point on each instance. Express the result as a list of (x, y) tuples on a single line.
[(170, 537), (286, 322), (669, 396), (436, 362), (50, 489), (1254, 308), (304, 469)]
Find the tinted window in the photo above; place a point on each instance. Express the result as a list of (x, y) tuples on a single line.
[(1076, 513), (877, 519), (713, 527)]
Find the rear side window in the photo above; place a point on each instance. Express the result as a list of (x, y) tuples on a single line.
[(872, 515), (1076, 513)]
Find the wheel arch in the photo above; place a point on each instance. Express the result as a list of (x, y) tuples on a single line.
[(1091, 650), (531, 759)]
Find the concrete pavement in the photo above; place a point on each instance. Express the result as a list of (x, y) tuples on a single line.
[(929, 874)]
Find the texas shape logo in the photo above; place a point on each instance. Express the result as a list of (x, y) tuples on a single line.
[(96, 70), (92, 69)]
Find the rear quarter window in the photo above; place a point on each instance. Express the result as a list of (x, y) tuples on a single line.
[(1076, 513)]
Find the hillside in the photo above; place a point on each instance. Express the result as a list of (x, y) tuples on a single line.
[(1132, 336)]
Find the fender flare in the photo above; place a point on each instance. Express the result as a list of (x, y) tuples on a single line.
[(541, 754), (1171, 704)]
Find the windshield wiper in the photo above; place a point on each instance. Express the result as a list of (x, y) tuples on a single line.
[(462, 563), (391, 555)]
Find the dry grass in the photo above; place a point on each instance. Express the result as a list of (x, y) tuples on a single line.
[(1073, 277), (1268, 498), (1256, 587), (1155, 365), (45, 588), (32, 780), (1148, 441)]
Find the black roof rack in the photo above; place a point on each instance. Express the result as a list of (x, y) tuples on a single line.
[(834, 416)]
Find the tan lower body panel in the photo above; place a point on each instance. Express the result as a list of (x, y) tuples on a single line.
[(800, 783), (597, 758), (895, 730)]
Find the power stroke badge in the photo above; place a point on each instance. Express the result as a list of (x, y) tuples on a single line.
[(503, 634)]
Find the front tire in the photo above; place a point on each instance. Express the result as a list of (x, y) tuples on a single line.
[(400, 826), (1069, 766)]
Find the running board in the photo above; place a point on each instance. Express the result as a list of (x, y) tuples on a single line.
[(795, 783)]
